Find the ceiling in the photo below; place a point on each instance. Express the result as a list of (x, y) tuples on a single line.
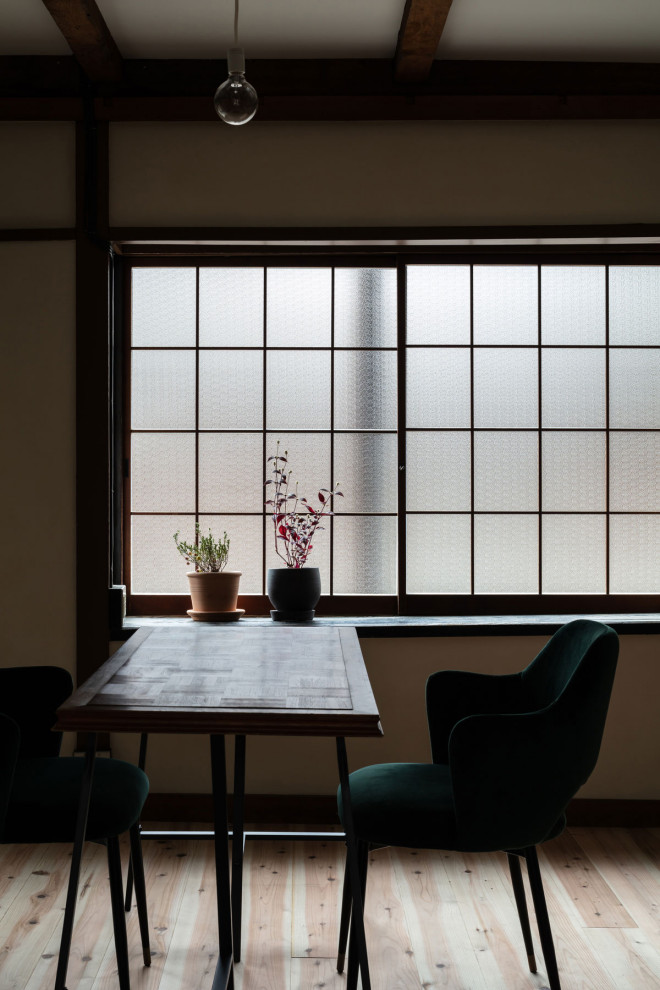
[(333, 59), (569, 30)]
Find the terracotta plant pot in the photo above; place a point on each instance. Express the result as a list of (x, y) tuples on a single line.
[(294, 591), (214, 595)]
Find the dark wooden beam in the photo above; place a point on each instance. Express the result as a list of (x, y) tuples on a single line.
[(419, 36), (82, 24)]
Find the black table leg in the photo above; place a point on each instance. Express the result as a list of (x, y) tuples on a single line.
[(353, 865), (238, 843), (224, 973), (142, 759), (76, 858)]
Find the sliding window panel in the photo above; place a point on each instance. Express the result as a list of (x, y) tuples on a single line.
[(573, 304), (573, 393), (634, 388), (230, 390), (298, 390), (365, 555), (366, 469), (163, 390), (231, 473), (438, 388), (574, 472), (162, 472), (635, 305), (245, 547), (506, 472), (438, 304), (438, 471), (506, 552), (163, 307), (438, 560), (365, 307), (231, 307), (505, 304), (635, 472), (505, 388), (365, 390), (299, 307), (574, 555), (157, 567), (308, 462), (635, 555)]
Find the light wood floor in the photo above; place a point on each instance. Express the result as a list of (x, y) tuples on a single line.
[(434, 920)]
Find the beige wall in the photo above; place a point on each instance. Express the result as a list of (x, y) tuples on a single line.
[(282, 174)]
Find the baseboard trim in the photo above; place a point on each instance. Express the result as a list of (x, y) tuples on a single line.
[(321, 809)]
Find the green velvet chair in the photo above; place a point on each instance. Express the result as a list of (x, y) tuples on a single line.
[(509, 752), (39, 794)]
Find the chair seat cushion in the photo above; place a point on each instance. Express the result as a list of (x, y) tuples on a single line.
[(403, 804), (44, 799)]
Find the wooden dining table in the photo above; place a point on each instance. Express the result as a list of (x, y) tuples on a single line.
[(220, 680)]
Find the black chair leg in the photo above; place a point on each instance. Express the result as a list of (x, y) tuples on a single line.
[(542, 918), (345, 921), (140, 891), (521, 904), (118, 915), (353, 957)]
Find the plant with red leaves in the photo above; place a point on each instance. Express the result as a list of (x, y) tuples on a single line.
[(295, 520)]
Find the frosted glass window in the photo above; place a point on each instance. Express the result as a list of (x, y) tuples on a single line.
[(506, 551), (365, 390), (438, 470), (299, 307), (245, 547), (505, 388), (308, 457), (573, 387), (157, 567), (163, 472), (635, 555), (438, 387), (573, 478), (506, 472), (574, 559), (319, 555), (572, 304), (230, 390), (163, 390), (365, 563), (506, 304), (438, 304), (231, 472), (634, 388), (365, 465), (365, 307), (231, 307), (635, 305), (635, 472), (298, 390), (438, 555), (163, 307)]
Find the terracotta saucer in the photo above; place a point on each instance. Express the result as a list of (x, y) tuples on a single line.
[(216, 616)]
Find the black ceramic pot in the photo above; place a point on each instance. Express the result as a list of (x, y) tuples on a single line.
[(294, 592)]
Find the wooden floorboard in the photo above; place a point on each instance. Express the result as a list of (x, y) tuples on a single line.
[(435, 920)]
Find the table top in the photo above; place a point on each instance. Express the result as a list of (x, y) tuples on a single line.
[(208, 678)]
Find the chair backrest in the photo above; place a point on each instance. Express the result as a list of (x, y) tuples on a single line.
[(513, 773)]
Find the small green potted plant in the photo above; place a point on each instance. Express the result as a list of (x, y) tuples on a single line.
[(294, 590), (213, 589)]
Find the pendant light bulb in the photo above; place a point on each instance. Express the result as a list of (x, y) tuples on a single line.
[(236, 101)]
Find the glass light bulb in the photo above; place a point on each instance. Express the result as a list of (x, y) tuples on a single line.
[(236, 101)]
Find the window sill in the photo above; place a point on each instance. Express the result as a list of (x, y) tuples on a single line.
[(387, 627)]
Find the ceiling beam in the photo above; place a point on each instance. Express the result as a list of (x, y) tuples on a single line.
[(88, 36), (419, 36)]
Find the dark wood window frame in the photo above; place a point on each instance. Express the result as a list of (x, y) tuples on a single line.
[(402, 603)]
